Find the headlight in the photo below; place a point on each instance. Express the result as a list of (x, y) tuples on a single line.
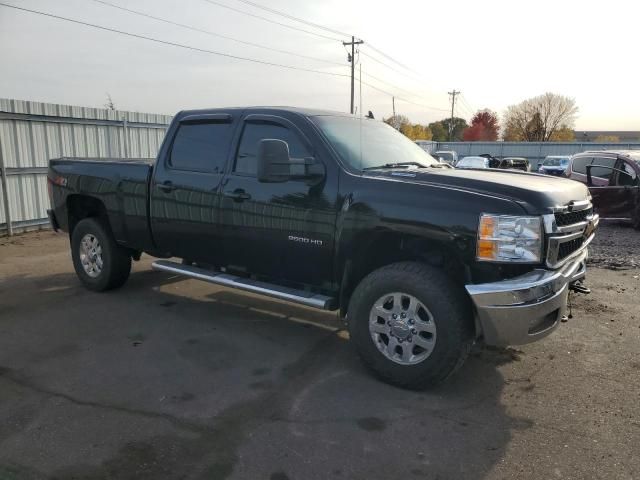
[(506, 238)]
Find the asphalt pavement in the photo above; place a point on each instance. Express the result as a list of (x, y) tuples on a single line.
[(169, 378)]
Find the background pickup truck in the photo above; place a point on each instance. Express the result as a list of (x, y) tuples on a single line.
[(338, 213)]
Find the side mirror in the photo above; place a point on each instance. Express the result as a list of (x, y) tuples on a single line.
[(273, 161), (275, 165)]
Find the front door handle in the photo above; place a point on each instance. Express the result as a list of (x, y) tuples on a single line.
[(238, 195), (167, 186)]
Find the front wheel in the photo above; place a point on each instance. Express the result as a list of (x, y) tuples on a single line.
[(100, 263), (636, 216), (410, 324)]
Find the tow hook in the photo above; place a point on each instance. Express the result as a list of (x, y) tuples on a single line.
[(577, 287)]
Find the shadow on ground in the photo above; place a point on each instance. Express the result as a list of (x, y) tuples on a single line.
[(171, 379)]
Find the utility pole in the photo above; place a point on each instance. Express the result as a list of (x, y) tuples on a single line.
[(393, 103), (351, 58), (453, 105)]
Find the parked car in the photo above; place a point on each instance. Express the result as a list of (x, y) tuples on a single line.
[(489, 161), (473, 162), (447, 156), (304, 206), (516, 163), (554, 165), (613, 179)]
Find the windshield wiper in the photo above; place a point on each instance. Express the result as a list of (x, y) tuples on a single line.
[(396, 165)]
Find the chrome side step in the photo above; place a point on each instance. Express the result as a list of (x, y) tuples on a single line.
[(302, 297)]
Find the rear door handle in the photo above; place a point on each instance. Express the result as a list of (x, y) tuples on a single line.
[(166, 186), (238, 195)]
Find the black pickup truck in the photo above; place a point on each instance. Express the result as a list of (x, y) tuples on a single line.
[(338, 213)]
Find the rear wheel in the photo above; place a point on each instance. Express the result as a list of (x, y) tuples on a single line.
[(100, 263), (410, 324)]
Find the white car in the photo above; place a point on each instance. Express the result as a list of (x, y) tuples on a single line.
[(447, 156), (473, 162)]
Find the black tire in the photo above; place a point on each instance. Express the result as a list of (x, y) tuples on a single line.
[(116, 260), (636, 216), (452, 315)]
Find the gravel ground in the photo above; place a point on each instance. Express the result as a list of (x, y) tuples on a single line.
[(170, 378), (616, 246)]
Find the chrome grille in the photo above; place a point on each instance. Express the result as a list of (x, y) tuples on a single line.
[(569, 218), (567, 231), (567, 248)]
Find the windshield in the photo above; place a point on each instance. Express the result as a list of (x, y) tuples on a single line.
[(446, 156), (472, 162), (555, 162), (364, 143)]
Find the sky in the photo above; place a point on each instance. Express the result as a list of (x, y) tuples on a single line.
[(497, 53)]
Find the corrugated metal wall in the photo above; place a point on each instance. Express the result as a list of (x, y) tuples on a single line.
[(534, 151), (31, 133)]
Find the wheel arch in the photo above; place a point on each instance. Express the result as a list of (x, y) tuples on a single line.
[(384, 247), (80, 206)]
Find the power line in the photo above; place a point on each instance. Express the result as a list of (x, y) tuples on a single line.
[(388, 57), (331, 30), (190, 27), (173, 44), (213, 2), (297, 19), (323, 27), (428, 107), (393, 69), (214, 34)]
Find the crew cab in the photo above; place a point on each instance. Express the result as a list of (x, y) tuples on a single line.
[(337, 213)]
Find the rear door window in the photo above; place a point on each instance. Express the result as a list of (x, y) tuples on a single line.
[(604, 168), (579, 164), (626, 175), (201, 147)]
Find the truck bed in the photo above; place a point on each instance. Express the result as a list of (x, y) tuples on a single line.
[(122, 185)]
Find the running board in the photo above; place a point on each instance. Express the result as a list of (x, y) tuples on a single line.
[(302, 297)]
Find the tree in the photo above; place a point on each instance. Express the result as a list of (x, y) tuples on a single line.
[(607, 139), (537, 119), (484, 127), (564, 134), (396, 121), (440, 129), (439, 132), (109, 105), (410, 130), (421, 132)]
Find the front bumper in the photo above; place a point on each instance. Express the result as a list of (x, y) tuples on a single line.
[(526, 308)]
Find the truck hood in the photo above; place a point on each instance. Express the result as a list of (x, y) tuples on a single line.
[(535, 193)]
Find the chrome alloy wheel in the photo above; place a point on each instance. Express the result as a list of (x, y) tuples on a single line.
[(91, 255), (402, 328)]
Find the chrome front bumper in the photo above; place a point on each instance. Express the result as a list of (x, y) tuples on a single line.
[(526, 308)]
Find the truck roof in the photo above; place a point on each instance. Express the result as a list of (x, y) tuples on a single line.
[(306, 112)]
